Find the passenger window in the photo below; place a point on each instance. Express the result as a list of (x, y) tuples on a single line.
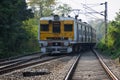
[(68, 27), (44, 27)]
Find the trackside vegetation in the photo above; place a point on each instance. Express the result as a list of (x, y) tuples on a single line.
[(17, 29), (112, 46)]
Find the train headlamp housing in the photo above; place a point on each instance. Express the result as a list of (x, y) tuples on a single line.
[(45, 44), (70, 39), (66, 43), (56, 17)]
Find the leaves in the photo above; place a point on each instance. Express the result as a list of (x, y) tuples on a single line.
[(113, 37), (42, 7), (12, 35), (64, 9)]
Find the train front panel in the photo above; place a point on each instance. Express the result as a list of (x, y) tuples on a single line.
[(56, 34)]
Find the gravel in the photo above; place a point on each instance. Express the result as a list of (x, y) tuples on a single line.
[(52, 70), (89, 68), (113, 65)]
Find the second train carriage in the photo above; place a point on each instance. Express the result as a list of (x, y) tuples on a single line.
[(59, 34)]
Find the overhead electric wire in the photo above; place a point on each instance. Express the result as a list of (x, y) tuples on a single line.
[(87, 11), (94, 11)]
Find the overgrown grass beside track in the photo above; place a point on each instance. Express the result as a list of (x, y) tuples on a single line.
[(109, 51)]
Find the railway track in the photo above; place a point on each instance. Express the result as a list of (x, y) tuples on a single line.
[(19, 60), (90, 66), (17, 57), (6, 68)]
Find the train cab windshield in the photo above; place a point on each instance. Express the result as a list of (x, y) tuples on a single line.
[(56, 27), (44, 27), (68, 27)]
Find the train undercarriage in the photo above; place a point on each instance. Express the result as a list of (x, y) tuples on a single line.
[(56, 47)]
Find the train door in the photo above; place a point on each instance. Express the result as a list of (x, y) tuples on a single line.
[(81, 33), (85, 35)]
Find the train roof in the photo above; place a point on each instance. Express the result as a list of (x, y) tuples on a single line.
[(60, 18)]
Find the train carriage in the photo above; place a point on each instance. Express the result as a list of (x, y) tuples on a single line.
[(59, 34)]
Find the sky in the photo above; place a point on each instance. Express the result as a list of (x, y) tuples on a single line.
[(113, 7)]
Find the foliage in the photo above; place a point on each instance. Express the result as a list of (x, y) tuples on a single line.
[(31, 28), (113, 38), (64, 9), (42, 7), (47, 7), (98, 24), (14, 37)]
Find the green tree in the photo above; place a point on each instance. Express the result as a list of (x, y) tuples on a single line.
[(118, 16), (114, 30), (64, 9), (113, 39), (12, 13), (42, 7), (31, 30)]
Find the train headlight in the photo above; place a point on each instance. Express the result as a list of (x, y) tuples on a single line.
[(45, 44), (43, 50), (69, 50), (66, 43), (70, 39)]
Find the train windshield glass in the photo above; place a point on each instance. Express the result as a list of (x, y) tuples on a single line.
[(44, 27), (68, 27), (56, 27)]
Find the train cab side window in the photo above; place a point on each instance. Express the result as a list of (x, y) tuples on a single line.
[(68, 27), (44, 27)]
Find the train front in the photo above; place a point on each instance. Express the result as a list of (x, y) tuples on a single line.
[(56, 34)]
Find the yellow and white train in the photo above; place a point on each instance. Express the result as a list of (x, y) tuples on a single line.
[(59, 34)]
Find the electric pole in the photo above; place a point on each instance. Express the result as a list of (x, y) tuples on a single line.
[(105, 22)]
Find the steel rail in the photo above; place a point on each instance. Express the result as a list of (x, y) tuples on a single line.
[(16, 67), (71, 70), (19, 56), (106, 68), (19, 61)]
